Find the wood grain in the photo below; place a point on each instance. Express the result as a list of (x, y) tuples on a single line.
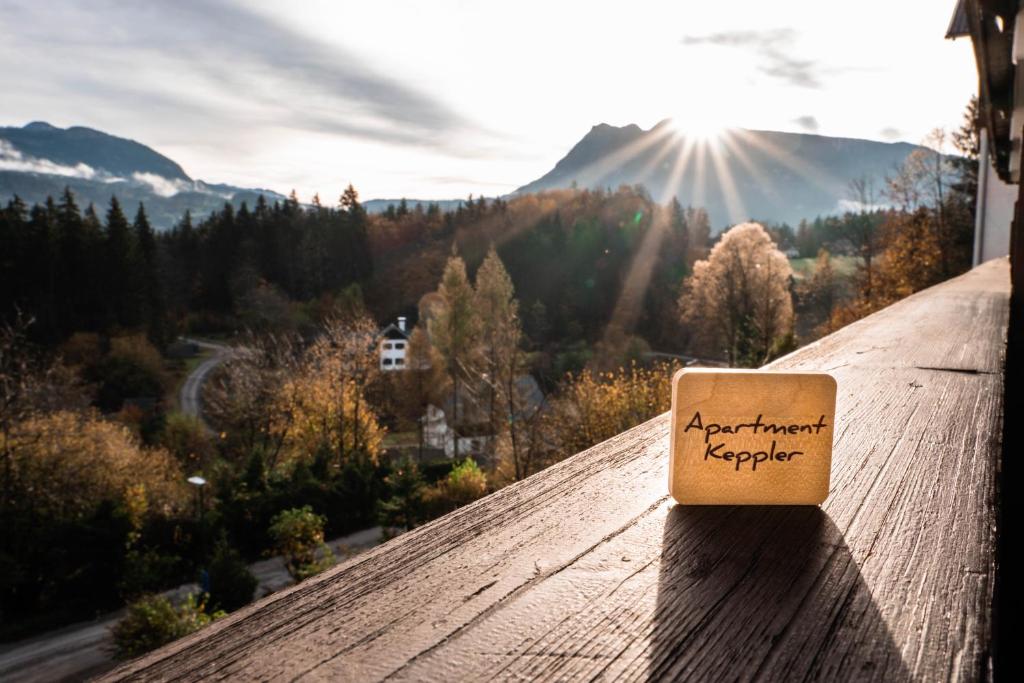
[(588, 570)]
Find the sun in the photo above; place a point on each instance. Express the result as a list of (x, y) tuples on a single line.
[(698, 127)]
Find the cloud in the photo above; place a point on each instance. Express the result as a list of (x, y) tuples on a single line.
[(807, 122), (770, 46), (11, 159), (890, 133), (853, 206), (230, 65), (168, 187)]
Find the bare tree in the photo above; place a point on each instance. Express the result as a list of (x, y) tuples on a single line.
[(243, 400), (861, 229), (346, 350)]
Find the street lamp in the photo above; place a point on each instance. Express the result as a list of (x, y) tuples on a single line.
[(199, 483)]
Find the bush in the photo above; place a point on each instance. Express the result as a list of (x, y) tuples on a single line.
[(148, 570), (464, 484), (231, 582), (404, 507), (153, 621), (68, 463), (184, 436), (298, 534), (132, 369)]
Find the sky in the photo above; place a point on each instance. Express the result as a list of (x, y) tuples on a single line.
[(442, 99)]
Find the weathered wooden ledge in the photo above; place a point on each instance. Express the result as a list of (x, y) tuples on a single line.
[(587, 570)]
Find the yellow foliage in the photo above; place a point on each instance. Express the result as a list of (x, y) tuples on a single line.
[(328, 410), (739, 297), (912, 261), (137, 349), (67, 463), (594, 407)]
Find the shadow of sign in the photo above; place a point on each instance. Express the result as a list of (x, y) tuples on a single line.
[(770, 593)]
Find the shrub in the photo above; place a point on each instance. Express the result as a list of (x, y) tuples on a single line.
[(184, 436), (231, 582), (464, 484), (153, 621), (298, 534), (148, 570), (132, 369), (404, 507), (68, 463)]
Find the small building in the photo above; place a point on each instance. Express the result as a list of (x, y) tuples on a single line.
[(394, 344), (474, 434)]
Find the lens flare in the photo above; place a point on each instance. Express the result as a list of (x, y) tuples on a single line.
[(698, 127)]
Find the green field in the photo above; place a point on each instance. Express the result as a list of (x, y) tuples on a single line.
[(843, 265)]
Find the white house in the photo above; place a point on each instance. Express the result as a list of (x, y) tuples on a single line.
[(474, 432), (394, 344)]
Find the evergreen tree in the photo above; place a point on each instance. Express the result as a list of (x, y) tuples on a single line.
[(150, 294)]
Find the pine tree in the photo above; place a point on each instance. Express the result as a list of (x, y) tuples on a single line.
[(74, 269), (145, 261), (119, 268)]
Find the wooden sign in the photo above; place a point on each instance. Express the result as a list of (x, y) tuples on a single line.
[(749, 437)]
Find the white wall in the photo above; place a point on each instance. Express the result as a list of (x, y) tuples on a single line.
[(995, 210)]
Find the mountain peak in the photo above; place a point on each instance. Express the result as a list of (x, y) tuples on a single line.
[(119, 157), (764, 175)]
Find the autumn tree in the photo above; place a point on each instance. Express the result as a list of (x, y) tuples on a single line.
[(913, 258), (326, 397), (73, 462), (246, 399), (455, 331), (348, 346), (739, 299)]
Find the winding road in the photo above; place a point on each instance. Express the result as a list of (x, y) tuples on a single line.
[(190, 399)]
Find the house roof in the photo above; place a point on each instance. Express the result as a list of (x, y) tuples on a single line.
[(991, 24), (393, 331), (958, 24), (473, 408)]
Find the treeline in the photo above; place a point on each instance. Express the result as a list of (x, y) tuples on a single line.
[(73, 272)]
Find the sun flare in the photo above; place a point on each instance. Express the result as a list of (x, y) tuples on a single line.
[(698, 128)]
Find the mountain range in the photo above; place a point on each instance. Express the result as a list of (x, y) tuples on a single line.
[(738, 175), (40, 160)]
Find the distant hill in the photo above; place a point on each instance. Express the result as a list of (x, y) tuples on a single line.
[(381, 205), (39, 160), (774, 176)]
